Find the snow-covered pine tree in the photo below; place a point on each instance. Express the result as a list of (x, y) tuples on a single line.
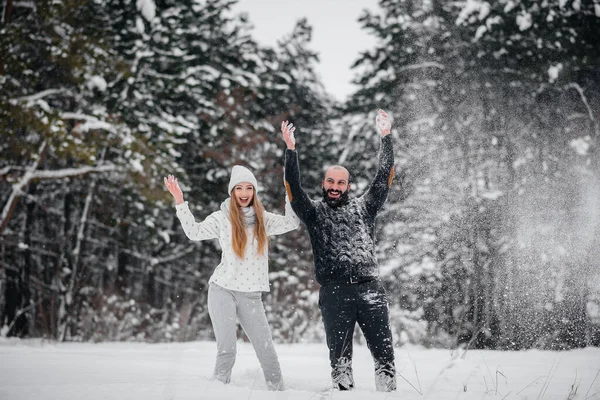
[(62, 144), (539, 66), (468, 86)]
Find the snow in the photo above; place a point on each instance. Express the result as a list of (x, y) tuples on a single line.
[(484, 10), (554, 71), (38, 370), (139, 25), (470, 7), (524, 21), (510, 5), (493, 21), (480, 31), (581, 145), (97, 82), (96, 125), (147, 8)]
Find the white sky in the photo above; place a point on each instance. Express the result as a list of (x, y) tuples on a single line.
[(40, 370), (337, 35)]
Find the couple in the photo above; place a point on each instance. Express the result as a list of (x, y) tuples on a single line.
[(342, 233)]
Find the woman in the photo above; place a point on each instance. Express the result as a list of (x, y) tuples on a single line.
[(242, 227)]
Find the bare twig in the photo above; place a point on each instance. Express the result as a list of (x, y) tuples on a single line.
[(413, 386), (489, 373), (549, 377), (534, 381), (592, 384), (499, 372), (416, 372)]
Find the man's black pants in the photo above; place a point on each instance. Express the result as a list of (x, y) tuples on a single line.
[(342, 306)]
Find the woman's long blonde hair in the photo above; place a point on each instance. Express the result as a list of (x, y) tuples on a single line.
[(238, 229)]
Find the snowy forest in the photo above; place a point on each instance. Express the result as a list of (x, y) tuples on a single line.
[(490, 237)]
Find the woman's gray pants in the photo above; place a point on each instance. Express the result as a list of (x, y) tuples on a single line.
[(223, 307)]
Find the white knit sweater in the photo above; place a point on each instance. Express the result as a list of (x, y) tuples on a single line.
[(248, 274)]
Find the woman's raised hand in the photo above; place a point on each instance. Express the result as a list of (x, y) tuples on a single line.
[(288, 134), (173, 187)]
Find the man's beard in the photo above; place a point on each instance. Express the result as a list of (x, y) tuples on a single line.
[(340, 201)]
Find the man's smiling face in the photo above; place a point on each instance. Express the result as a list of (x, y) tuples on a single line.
[(336, 183)]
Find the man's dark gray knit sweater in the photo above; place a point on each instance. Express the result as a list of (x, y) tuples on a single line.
[(342, 236)]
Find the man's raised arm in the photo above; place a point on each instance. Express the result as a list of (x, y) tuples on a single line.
[(301, 203), (377, 193)]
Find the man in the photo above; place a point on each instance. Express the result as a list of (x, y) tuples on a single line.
[(342, 233)]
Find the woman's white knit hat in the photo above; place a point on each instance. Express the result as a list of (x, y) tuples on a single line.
[(241, 174)]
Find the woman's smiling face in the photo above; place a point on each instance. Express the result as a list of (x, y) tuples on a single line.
[(243, 193)]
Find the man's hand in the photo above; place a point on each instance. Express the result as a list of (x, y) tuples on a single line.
[(288, 134), (173, 186), (383, 122)]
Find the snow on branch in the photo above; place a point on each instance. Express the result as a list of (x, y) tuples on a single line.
[(175, 256), (426, 64), (33, 97), (7, 169), (91, 122), (25, 4), (78, 116), (69, 172), (32, 173)]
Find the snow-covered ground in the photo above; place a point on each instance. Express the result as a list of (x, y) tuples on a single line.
[(36, 370)]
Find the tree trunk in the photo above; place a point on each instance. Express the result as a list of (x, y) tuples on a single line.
[(64, 261), (123, 258), (71, 291), (17, 188)]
